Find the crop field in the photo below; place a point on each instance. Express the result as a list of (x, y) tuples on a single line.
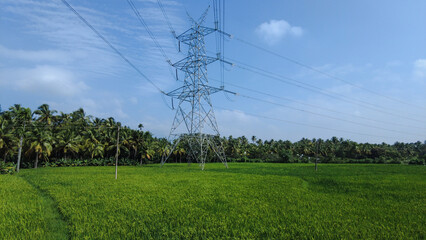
[(246, 201), (27, 214)]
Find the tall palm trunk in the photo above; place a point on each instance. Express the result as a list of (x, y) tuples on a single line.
[(19, 153), (5, 155), (36, 161)]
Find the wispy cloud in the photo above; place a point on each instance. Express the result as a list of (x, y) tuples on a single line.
[(275, 30), (43, 80), (70, 38), (71, 60)]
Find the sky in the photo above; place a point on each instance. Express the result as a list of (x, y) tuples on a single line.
[(354, 69)]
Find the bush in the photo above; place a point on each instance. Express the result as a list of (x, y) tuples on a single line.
[(393, 161), (7, 168), (416, 161)]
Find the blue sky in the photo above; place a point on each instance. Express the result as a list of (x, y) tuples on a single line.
[(47, 55)]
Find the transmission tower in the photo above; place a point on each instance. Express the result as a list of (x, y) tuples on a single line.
[(195, 123)]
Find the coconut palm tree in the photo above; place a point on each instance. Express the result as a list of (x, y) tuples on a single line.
[(21, 117), (7, 138), (95, 148), (45, 114), (137, 141), (41, 142), (179, 150), (91, 143), (68, 142)]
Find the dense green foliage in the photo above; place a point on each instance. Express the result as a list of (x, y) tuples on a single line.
[(76, 139), (7, 168), (256, 201)]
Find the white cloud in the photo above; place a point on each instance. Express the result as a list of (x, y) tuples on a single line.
[(43, 80), (275, 30), (237, 123), (420, 68)]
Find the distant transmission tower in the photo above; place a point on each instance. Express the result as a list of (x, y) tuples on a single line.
[(195, 122)]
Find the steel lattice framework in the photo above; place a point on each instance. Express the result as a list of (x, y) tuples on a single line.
[(195, 123)]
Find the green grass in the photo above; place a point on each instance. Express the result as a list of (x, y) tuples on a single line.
[(248, 201), (26, 213)]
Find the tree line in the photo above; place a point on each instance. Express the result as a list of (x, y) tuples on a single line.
[(48, 138)]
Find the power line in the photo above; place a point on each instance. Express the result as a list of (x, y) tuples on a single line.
[(151, 35), (219, 21), (154, 39), (111, 46), (316, 106), (249, 97), (194, 121), (167, 19), (219, 25), (325, 116), (325, 73), (316, 89), (222, 42), (215, 12), (304, 124)]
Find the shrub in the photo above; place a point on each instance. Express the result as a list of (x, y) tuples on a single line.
[(416, 161), (7, 168)]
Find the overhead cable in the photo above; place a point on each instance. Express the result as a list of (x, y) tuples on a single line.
[(167, 19), (111, 46), (304, 124), (151, 35), (300, 84), (317, 106), (326, 116), (326, 74)]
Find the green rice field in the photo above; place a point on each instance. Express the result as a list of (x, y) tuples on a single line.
[(246, 201)]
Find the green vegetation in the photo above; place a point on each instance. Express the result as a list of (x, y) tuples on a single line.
[(46, 138), (7, 168), (26, 213), (256, 200)]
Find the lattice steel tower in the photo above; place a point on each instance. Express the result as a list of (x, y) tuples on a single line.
[(194, 121)]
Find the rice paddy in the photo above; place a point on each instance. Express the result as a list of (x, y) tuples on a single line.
[(246, 201)]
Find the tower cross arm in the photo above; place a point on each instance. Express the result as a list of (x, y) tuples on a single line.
[(184, 91), (175, 93), (193, 33), (189, 62)]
